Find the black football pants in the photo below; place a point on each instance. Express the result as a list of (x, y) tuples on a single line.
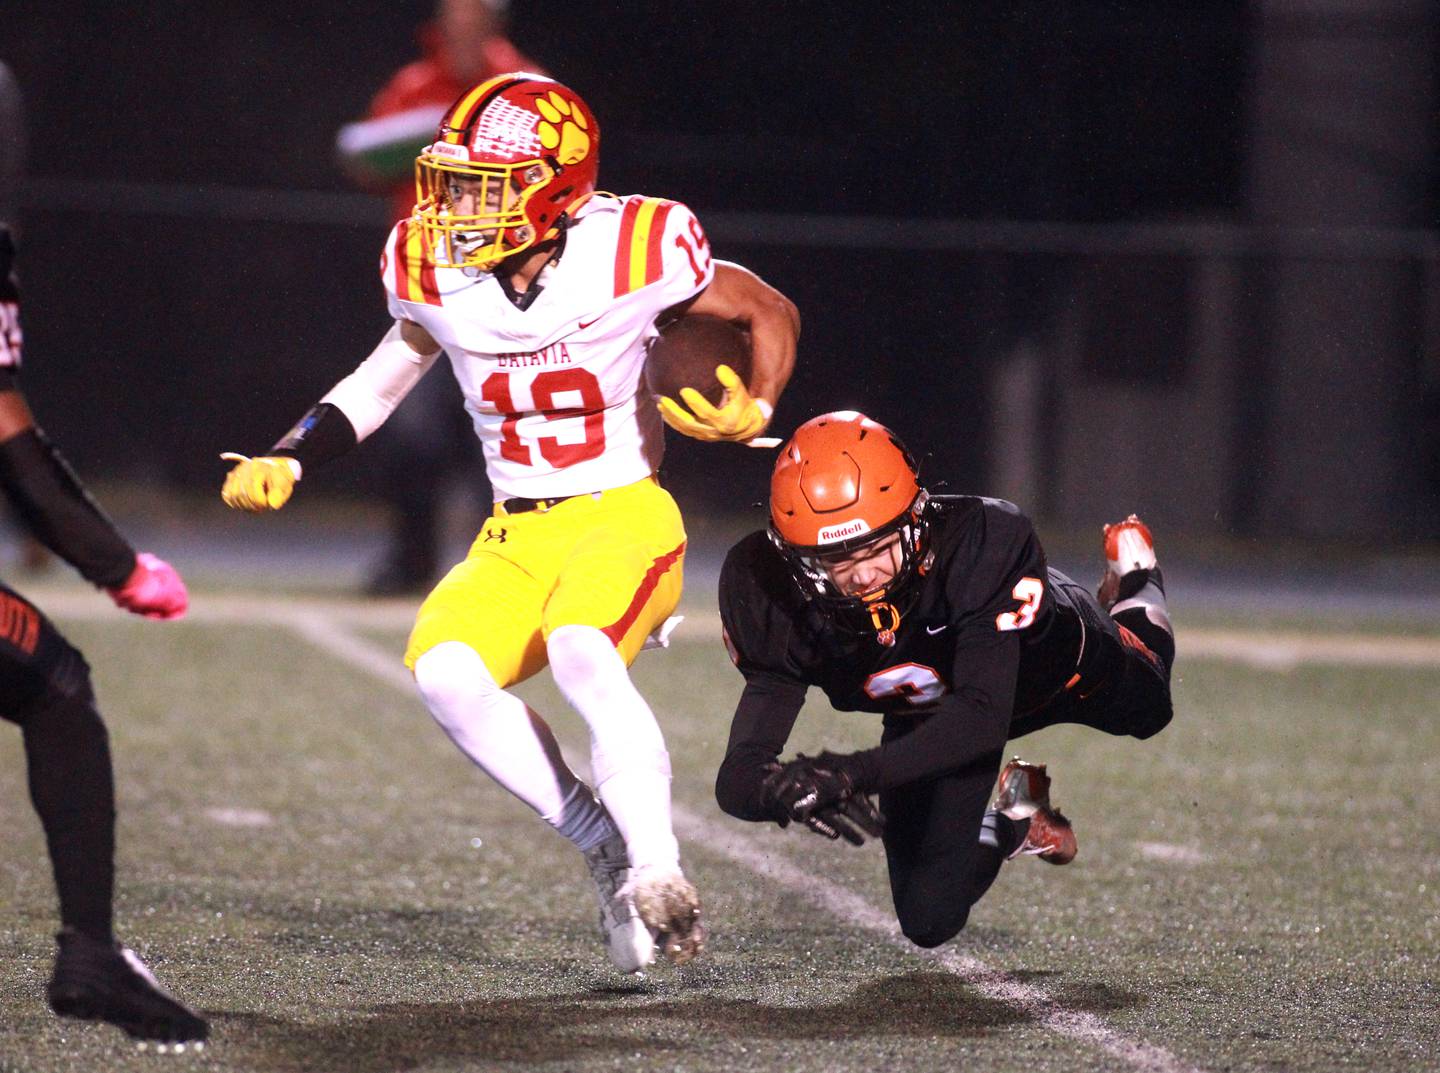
[(939, 867), (45, 688), (1131, 693)]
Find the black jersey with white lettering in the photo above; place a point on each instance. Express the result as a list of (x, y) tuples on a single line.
[(988, 578), (42, 489), (991, 633), (10, 339)]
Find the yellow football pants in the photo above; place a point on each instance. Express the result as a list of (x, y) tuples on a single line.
[(614, 560)]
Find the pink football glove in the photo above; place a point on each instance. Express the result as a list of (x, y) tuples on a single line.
[(154, 589)]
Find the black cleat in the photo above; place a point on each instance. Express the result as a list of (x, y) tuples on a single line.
[(104, 981)]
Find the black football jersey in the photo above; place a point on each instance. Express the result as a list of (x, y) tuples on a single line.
[(43, 491), (10, 338), (990, 633)]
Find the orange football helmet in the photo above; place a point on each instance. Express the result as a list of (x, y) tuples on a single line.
[(532, 146), (844, 482)]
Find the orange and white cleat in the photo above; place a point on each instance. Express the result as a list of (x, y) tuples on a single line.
[(1128, 547), (1024, 793)]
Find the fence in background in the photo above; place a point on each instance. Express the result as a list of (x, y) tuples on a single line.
[(1222, 379)]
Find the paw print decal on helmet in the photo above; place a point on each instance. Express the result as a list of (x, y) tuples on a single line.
[(563, 129), (528, 147)]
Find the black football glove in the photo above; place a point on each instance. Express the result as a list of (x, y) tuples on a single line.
[(851, 819), (820, 793)]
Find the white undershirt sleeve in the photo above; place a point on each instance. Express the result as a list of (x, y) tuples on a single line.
[(370, 394)]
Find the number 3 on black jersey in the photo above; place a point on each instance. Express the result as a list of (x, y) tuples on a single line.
[(916, 682), (1029, 591)]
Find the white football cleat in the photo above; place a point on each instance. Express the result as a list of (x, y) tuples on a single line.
[(630, 944), (669, 905), (1128, 547)]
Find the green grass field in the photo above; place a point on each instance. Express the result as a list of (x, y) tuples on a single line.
[(306, 858)]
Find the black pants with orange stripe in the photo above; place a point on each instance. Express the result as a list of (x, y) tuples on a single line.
[(45, 688), (943, 848)]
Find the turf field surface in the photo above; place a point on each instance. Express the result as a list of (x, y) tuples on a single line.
[(306, 858)]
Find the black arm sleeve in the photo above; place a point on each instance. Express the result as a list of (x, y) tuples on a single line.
[(323, 434), (762, 724), (54, 505), (758, 635)]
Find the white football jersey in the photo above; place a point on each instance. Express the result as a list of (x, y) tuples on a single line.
[(555, 389)]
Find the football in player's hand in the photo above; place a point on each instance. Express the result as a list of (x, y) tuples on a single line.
[(687, 352)]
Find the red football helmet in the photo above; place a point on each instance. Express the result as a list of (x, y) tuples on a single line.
[(522, 150), (844, 482)]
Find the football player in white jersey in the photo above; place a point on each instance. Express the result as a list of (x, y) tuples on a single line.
[(544, 295)]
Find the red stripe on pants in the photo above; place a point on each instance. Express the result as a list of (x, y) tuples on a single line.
[(617, 630)]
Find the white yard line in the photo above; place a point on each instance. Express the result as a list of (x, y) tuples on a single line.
[(1265, 649), (1172, 853), (739, 846), (1000, 986), (86, 605), (240, 817)]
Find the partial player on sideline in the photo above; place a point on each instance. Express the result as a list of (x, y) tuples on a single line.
[(45, 688), (544, 295), (939, 613)]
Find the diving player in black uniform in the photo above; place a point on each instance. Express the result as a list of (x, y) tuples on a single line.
[(939, 613), (45, 688)]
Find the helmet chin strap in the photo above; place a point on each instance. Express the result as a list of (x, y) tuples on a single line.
[(885, 618)]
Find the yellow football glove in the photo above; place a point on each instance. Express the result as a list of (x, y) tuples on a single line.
[(740, 417), (258, 484)]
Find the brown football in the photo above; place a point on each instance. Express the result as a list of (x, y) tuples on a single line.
[(687, 352)]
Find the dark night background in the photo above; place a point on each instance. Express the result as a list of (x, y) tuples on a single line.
[(1167, 256)]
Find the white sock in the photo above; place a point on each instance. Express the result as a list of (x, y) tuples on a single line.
[(508, 741), (630, 765)]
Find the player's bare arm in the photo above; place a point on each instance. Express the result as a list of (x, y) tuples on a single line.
[(345, 415), (738, 295), (417, 338)]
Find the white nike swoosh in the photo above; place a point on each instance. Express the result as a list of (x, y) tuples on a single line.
[(933, 630)]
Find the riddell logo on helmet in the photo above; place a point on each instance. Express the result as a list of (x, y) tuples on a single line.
[(844, 530), (455, 152)]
